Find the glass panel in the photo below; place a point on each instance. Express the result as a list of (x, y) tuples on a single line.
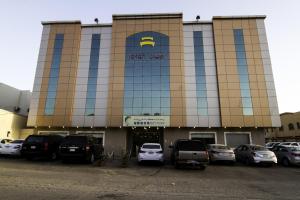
[(93, 74), (200, 73), (148, 65), (54, 74)]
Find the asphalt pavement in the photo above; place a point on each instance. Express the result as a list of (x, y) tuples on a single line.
[(22, 179)]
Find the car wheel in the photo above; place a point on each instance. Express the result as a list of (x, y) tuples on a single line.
[(285, 162), (53, 156)]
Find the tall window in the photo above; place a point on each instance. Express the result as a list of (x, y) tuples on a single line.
[(93, 74), (147, 76), (200, 73), (54, 74), (243, 71)]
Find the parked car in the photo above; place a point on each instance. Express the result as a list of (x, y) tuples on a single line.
[(151, 152), (271, 145), (288, 155), (4, 141), (12, 148), (289, 144), (254, 154), (83, 147), (41, 146), (220, 152), (189, 152)]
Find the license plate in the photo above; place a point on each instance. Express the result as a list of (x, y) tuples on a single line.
[(33, 147), (150, 152), (72, 150)]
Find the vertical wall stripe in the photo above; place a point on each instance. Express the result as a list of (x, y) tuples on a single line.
[(34, 102), (212, 118), (79, 117), (273, 105)]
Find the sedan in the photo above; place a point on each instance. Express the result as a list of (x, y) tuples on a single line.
[(12, 148), (220, 152), (255, 154), (151, 152), (288, 155)]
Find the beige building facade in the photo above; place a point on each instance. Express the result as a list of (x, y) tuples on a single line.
[(289, 130), (156, 78)]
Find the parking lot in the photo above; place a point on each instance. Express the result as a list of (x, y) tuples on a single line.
[(22, 179)]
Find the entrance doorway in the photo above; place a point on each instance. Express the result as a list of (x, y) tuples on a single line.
[(138, 136)]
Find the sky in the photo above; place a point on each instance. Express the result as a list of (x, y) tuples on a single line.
[(21, 29)]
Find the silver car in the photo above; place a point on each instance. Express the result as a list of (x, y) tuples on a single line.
[(254, 154), (220, 152), (288, 155)]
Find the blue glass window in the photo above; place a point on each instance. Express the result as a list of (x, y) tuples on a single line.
[(93, 74), (200, 73), (54, 74), (147, 75), (243, 71)]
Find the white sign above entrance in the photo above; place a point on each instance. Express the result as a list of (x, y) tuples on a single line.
[(152, 121)]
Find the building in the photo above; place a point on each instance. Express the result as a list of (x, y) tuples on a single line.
[(289, 130), (14, 108), (156, 78)]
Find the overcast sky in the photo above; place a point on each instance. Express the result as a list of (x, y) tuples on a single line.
[(21, 32)]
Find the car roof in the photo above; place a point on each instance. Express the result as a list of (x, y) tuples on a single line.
[(151, 144)]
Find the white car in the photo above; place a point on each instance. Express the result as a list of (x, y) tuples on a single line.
[(12, 148), (151, 152), (3, 142)]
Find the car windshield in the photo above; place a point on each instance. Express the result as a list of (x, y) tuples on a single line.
[(17, 142), (191, 146), (258, 148), (35, 138), (220, 147), (75, 139), (294, 148), (151, 146)]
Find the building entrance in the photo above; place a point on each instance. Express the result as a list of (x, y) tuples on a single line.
[(138, 136)]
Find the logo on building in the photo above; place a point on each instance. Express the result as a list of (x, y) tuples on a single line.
[(147, 41)]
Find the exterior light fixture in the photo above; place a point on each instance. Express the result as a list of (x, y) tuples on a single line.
[(91, 126), (224, 126), (96, 20), (49, 126), (198, 18), (164, 127), (209, 127), (178, 126), (63, 126), (35, 127), (76, 126), (105, 126), (120, 126)]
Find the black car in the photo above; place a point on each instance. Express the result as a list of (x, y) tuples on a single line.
[(189, 152), (41, 146), (83, 147)]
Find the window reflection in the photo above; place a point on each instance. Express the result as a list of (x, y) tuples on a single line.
[(54, 74), (147, 76), (243, 71)]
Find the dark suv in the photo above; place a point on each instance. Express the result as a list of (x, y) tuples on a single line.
[(41, 146), (189, 152), (83, 147)]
